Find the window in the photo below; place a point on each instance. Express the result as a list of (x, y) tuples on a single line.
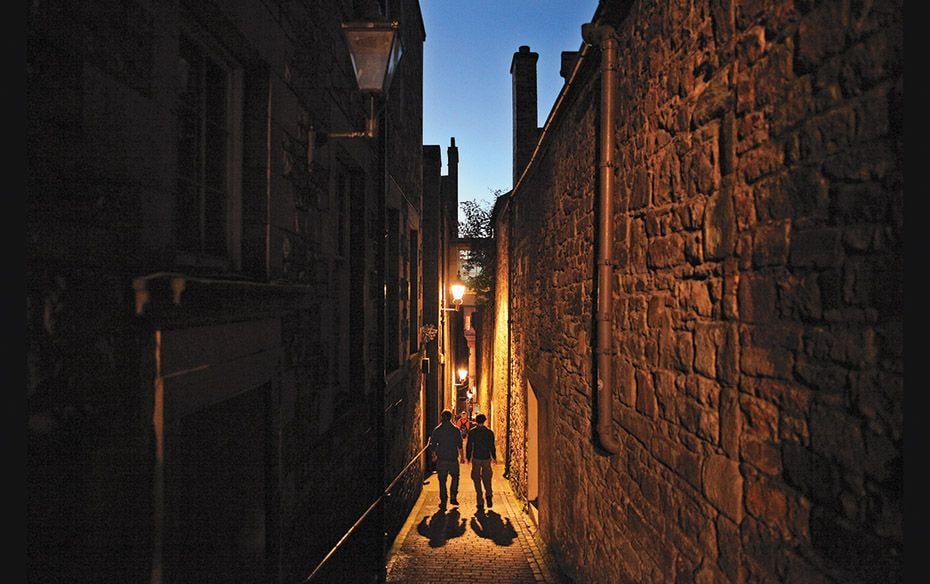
[(346, 349), (343, 198), (392, 293), (414, 284), (209, 156)]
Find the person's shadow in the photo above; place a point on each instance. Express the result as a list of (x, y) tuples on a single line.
[(490, 526), (441, 527)]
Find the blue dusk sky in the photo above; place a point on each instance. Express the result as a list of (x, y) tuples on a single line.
[(467, 91)]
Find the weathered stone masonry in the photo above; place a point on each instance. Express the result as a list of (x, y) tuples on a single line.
[(757, 292), (192, 409)]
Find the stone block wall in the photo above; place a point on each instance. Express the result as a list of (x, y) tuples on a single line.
[(113, 422), (757, 332), (498, 347)]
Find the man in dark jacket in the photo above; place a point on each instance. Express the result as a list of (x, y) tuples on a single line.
[(445, 443), (480, 452)]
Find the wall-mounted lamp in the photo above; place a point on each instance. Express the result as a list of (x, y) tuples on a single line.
[(375, 48), (463, 373), (458, 293)]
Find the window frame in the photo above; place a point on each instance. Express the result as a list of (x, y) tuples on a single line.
[(230, 258)]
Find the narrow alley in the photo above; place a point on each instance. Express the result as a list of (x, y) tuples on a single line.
[(254, 285), (496, 545)]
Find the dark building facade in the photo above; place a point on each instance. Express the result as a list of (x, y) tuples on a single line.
[(697, 337), (223, 312), (449, 350)]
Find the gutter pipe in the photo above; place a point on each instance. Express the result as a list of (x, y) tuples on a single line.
[(605, 37)]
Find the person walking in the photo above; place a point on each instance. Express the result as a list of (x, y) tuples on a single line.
[(445, 443), (464, 424), (480, 452)]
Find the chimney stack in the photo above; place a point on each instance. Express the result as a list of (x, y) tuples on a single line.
[(450, 188), (452, 157), (525, 129), (568, 63)]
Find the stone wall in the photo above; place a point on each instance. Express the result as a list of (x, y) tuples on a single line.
[(757, 346), (499, 371), (257, 366)]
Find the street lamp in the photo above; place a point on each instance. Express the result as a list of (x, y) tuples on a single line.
[(375, 48), (458, 293)]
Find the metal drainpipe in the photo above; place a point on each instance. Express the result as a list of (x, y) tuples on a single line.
[(605, 37)]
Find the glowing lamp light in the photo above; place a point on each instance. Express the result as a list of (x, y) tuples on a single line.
[(458, 292)]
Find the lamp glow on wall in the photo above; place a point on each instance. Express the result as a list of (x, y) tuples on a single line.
[(463, 373), (458, 293), (375, 48)]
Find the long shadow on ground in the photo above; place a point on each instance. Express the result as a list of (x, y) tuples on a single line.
[(441, 527), (492, 526)]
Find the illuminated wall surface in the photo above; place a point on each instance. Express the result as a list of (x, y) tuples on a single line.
[(757, 284)]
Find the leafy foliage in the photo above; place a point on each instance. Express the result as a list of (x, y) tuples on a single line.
[(479, 264), (428, 333)]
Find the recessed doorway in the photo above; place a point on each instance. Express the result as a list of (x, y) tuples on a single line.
[(532, 452)]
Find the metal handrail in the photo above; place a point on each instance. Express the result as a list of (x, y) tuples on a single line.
[(385, 493)]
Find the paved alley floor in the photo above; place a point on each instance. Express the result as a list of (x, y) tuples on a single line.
[(497, 546)]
